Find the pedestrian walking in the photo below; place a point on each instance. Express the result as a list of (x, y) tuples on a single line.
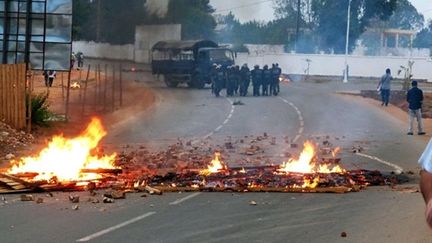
[(51, 76), (231, 80), (384, 87), (415, 100), (80, 59), (237, 79), (72, 60), (256, 80), (45, 74), (279, 70)]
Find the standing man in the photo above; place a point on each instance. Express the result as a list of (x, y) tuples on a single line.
[(80, 59), (256, 80), (279, 70), (415, 100), (219, 80), (245, 80), (51, 76), (267, 76), (384, 86)]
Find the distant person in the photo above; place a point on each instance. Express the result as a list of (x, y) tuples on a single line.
[(256, 80), (51, 76), (267, 77), (384, 87), (72, 60), (45, 74), (415, 100), (425, 162), (80, 59)]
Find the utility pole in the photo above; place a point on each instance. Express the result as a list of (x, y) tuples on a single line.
[(98, 20), (345, 80), (298, 25)]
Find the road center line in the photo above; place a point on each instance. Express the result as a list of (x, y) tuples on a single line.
[(397, 168), (178, 201), (116, 227), (300, 118)]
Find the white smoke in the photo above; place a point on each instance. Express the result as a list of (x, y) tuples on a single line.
[(157, 7)]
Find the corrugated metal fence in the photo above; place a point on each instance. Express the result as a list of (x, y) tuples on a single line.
[(13, 95)]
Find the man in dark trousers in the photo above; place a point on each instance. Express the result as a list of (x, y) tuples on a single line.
[(275, 70), (415, 100), (245, 80), (384, 87), (219, 80), (267, 76), (256, 80)]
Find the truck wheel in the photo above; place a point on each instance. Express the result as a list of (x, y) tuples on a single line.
[(170, 83), (196, 82)]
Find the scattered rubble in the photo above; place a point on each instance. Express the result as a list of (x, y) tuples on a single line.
[(26, 198), (12, 140)]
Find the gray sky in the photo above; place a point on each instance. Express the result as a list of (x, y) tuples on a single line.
[(262, 10)]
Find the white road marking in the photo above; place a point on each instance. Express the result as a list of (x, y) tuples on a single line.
[(178, 201), (300, 118), (228, 118), (397, 168), (116, 227)]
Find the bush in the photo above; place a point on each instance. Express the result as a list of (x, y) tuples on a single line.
[(39, 108)]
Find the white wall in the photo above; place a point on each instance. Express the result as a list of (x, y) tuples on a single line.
[(104, 50), (333, 65)]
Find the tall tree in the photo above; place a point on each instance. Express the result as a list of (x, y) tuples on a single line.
[(424, 38), (328, 19), (195, 16)]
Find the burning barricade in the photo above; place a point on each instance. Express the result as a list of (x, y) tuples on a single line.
[(78, 163)]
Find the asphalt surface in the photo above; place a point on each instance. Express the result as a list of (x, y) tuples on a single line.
[(303, 109)]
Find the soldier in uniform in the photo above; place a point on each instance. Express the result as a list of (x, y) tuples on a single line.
[(231, 79), (213, 76), (237, 79), (256, 80), (278, 80), (219, 80), (274, 90), (267, 76), (245, 80)]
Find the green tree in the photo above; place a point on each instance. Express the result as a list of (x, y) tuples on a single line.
[(424, 38), (195, 16)]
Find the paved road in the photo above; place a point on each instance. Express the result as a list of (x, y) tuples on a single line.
[(302, 110)]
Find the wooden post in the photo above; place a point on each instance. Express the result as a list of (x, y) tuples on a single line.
[(113, 88), (105, 87), (85, 91), (62, 84), (67, 96), (96, 87), (29, 95), (121, 85), (80, 83)]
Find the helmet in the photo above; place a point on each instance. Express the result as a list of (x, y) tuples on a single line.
[(256, 66)]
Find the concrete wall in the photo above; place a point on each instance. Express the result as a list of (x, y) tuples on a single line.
[(265, 49), (148, 35), (104, 50), (333, 65)]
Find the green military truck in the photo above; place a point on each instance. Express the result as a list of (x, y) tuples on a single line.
[(188, 62)]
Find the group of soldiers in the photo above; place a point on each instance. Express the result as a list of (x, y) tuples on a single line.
[(237, 80)]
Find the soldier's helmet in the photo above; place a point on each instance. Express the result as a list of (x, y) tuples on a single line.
[(256, 66), (277, 64), (265, 66), (245, 65)]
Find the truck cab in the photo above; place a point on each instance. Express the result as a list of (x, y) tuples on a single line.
[(188, 62)]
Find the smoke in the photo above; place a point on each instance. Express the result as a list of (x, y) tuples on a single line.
[(157, 7)]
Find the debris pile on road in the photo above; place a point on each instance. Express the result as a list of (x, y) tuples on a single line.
[(186, 166), (11, 140)]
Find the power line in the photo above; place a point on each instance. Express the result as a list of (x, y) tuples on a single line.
[(243, 6)]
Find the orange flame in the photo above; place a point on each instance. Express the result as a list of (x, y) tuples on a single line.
[(75, 85), (215, 165), (305, 163), (64, 158)]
